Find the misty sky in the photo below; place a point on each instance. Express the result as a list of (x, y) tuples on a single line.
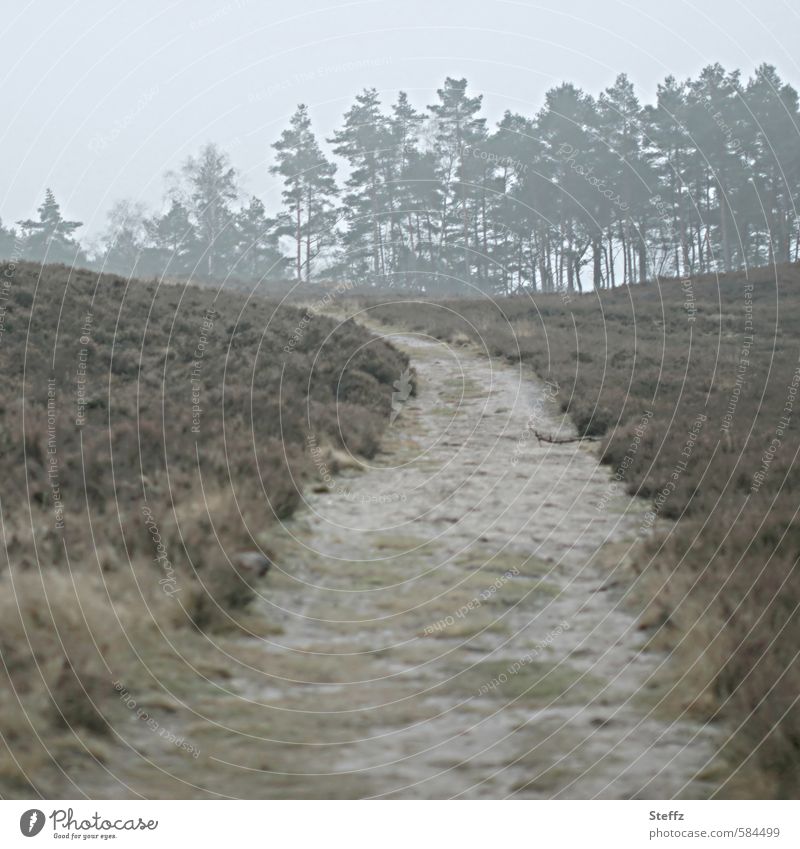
[(100, 99)]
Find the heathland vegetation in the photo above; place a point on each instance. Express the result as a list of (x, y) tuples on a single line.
[(588, 192), (694, 388), (149, 434), (152, 428)]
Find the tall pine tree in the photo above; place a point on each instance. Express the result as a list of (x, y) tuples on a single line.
[(308, 217)]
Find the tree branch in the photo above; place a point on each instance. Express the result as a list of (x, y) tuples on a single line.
[(562, 440)]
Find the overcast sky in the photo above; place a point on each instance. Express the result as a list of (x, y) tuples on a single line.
[(101, 98)]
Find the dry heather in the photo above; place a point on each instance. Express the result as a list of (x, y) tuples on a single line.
[(148, 434), (693, 385)]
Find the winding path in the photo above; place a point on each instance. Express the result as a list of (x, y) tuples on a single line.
[(448, 622), (453, 617)]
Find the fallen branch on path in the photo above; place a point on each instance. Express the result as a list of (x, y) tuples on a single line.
[(561, 440)]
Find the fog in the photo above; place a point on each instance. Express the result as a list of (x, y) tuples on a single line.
[(100, 99), (400, 399)]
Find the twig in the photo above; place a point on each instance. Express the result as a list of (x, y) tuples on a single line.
[(561, 440)]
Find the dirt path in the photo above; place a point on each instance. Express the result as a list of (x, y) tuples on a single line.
[(443, 626), (466, 549)]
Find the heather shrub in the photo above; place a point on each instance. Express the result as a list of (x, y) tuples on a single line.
[(147, 439)]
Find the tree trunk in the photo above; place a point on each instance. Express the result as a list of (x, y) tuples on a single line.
[(613, 277), (625, 269), (642, 257), (299, 238), (723, 220), (308, 239), (597, 270)]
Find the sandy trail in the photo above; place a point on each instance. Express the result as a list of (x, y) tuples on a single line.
[(444, 626), (448, 629)]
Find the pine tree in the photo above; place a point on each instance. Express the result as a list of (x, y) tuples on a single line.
[(704, 179), (50, 238), (567, 127), (309, 189), (8, 241), (620, 157), (507, 225), (365, 141), (400, 163), (713, 123), (175, 249), (211, 183), (257, 252), (772, 162), (668, 148), (421, 194), (458, 132)]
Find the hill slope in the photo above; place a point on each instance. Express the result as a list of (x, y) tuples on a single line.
[(150, 434)]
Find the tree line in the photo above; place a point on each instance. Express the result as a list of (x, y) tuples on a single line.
[(598, 191)]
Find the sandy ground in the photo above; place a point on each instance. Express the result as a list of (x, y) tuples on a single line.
[(449, 622)]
